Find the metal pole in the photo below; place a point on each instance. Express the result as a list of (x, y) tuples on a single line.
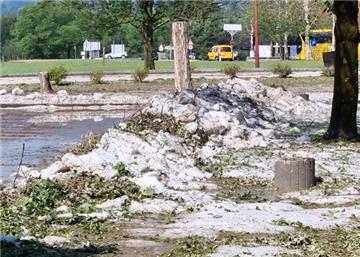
[(256, 32), (103, 54)]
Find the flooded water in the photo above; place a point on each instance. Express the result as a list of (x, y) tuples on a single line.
[(45, 140)]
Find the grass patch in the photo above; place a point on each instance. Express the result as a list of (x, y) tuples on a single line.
[(244, 189), (223, 163), (309, 82), (330, 242), (194, 246), (311, 242), (72, 65)]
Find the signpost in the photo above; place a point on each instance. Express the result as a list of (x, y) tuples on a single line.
[(191, 45), (256, 32), (161, 48), (232, 29)]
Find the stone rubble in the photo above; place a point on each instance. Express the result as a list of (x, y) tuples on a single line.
[(17, 92)]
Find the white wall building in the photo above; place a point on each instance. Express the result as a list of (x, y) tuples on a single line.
[(91, 49)]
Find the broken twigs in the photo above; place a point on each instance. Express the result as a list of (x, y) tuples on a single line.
[(21, 159)]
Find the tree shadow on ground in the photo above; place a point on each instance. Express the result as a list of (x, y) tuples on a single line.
[(36, 249)]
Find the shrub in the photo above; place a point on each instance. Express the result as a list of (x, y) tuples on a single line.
[(57, 74), (328, 72), (231, 70), (121, 169), (140, 74), (96, 76), (282, 70)]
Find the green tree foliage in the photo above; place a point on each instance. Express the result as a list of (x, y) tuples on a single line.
[(148, 16), (278, 17), (207, 32), (281, 19), (8, 48), (7, 22), (49, 29)]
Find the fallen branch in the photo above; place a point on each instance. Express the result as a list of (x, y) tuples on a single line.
[(21, 159)]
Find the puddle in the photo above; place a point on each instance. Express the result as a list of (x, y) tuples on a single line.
[(44, 141)]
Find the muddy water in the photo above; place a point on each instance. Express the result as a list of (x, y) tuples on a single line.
[(44, 141)]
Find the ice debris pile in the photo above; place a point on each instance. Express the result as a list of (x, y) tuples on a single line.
[(238, 113), (235, 114)]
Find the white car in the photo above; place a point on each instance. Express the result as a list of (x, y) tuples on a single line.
[(122, 55)]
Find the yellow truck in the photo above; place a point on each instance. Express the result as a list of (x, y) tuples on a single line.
[(222, 53)]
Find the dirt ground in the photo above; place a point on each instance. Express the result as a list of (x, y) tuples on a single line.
[(295, 84)]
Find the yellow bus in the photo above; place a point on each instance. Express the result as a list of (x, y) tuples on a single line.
[(320, 41)]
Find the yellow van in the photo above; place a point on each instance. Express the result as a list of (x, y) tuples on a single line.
[(225, 52)]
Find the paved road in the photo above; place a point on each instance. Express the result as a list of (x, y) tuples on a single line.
[(33, 79)]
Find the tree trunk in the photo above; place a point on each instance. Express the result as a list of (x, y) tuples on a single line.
[(181, 58), (148, 45), (294, 174), (333, 16), (286, 50), (148, 32), (45, 86), (307, 30), (344, 106)]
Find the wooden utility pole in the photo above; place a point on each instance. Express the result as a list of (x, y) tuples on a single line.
[(181, 57), (45, 86), (256, 32), (307, 30)]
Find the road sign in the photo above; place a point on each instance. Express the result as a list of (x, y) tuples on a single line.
[(232, 27), (313, 42), (191, 45)]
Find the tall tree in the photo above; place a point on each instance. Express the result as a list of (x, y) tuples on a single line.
[(344, 106), (49, 29), (150, 15), (279, 20), (146, 16), (8, 49)]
